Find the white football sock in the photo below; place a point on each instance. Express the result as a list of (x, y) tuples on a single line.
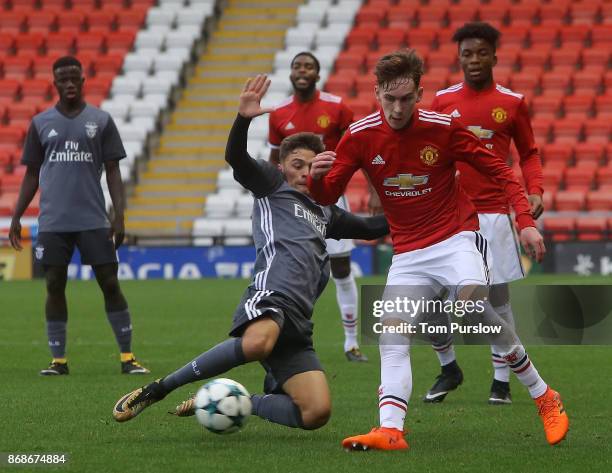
[(523, 368), (346, 295), (501, 371), (395, 384)]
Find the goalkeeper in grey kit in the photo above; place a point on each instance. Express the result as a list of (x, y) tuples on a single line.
[(272, 323)]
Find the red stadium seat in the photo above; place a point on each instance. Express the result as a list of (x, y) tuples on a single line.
[(29, 43), (17, 67), (371, 14), (596, 56), (360, 106), (591, 228), (604, 176), (586, 82), (361, 36), (12, 21), (56, 4), (11, 138), (434, 80), (493, 13), (38, 88), (567, 131), (548, 199), (577, 106), (569, 200), (552, 175), (603, 105), (101, 21), (432, 16), (10, 185), (20, 112), (573, 36), (340, 84), (541, 130), (524, 81), (73, 21), (421, 38), (553, 13), (514, 35), (559, 228), (131, 20), (120, 41), (544, 35), (523, 14), (60, 43), (350, 60), (365, 83), (41, 21), (391, 38), (97, 86), (581, 177), (584, 13), (597, 131), (537, 57), (440, 59), (589, 153), (555, 153), (9, 89), (565, 57), (546, 107), (601, 35), (599, 200), (460, 14), (552, 80), (401, 16)]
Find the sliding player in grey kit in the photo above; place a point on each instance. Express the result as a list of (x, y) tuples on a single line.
[(272, 323), (66, 148)]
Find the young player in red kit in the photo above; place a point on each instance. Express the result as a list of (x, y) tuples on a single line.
[(409, 155), (497, 116), (309, 110)]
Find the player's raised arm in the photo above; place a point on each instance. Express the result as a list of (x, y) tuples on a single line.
[(468, 148), (347, 225), (256, 177)]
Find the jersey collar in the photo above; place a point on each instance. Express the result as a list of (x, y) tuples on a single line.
[(474, 93)]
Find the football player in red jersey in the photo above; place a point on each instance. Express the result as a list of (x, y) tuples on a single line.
[(497, 116), (410, 156), (314, 111)]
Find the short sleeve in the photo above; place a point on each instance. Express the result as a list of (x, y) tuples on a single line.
[(112, 147), (274, 137), (33, 152)]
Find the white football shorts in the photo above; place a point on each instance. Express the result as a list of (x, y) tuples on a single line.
[(338, 248), (499, 232)]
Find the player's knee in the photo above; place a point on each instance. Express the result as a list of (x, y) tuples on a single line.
[(257, 346), (340, 267), (316, 415), (56, 285), (110, 286)]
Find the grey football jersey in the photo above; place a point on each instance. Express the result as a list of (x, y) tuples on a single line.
[(71, 152)]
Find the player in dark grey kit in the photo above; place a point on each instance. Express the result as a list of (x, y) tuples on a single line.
[(272, 323), (65, 151)]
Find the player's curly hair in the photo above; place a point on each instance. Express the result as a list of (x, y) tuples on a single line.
[(479, 30), (399, 66), (311, 56), (303, 140), (66, 61)]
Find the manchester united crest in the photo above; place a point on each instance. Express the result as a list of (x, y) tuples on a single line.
[(499, 114), (429, 155), (323, 121)]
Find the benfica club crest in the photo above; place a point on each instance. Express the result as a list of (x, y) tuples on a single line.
[(91, 128)]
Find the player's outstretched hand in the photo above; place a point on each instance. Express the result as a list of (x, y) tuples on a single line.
[(533, 243), (537, 205), (251, 95), (117, 231), (15, 234), (321, 164)]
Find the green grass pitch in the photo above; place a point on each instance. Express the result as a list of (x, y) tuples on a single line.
[(176, 320)]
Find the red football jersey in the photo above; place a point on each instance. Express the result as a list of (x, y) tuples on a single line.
[(413, 171), (495, 115), (326, 115)]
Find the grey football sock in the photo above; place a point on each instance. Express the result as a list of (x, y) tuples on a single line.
[(122, 327), (219, 359), (56, 334), (277, 408)]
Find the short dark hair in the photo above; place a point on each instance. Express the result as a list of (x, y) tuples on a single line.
[(397, 66), (66, 61), (310, 55), (303, 140), (479, 30)]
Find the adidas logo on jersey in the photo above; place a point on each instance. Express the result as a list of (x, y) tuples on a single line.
[(52, 134), (455, 113), (290, 126), (378, 160)]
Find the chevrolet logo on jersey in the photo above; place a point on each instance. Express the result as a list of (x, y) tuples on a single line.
[(481, 132), (407, 185)]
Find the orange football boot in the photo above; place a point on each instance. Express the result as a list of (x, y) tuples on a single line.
[(553, 415), (379, 438)]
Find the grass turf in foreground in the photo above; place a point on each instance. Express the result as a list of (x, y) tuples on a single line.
[(176, 320)]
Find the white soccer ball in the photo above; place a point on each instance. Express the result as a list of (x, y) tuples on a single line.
[(223, 406)]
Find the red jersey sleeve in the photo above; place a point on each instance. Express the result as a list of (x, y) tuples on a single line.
[(531, 164), (346, 116), (274, 136), (466, 147), (327, 190)]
